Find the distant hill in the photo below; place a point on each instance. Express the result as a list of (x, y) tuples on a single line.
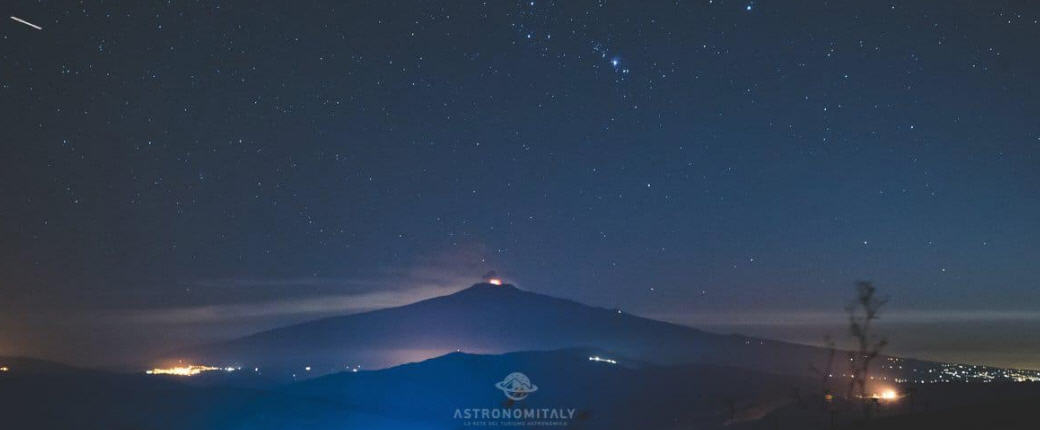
[(34, 366), (493, 319)]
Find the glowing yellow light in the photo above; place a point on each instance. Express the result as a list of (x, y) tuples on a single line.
[(495, 281), (887, 395), (4, 369), (182, 370)]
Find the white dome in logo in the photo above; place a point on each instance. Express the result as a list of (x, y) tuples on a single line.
[(516, 386)]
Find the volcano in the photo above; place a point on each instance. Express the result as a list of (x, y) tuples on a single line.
[(493, 319)]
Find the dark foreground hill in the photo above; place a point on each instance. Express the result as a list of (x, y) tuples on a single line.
[(559, 388), (430, 394), (987, 406), (626, 394), (601, 394), (493, 319), (41, 395)]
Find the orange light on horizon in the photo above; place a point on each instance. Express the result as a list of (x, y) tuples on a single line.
[(495, 281)]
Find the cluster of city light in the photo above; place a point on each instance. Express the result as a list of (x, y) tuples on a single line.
[(1019, 377), (191, 370), (899, 371), (957, 373), (602, 360), (948, 373), (4, 369)]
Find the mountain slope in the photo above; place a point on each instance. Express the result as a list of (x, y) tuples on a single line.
[(491, 319)]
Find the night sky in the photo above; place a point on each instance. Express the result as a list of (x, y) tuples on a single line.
[(186, 171)]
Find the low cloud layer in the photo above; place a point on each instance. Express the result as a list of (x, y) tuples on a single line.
[(798, 318), (310, 306)]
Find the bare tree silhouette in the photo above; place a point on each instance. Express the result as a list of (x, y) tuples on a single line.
[(828, 370), (863, 312), (826, 397)]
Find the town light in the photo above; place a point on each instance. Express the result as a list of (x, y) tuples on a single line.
[(181, 370), (887, 395)]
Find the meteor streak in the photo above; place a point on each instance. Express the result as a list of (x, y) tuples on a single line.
[(26, 23)]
